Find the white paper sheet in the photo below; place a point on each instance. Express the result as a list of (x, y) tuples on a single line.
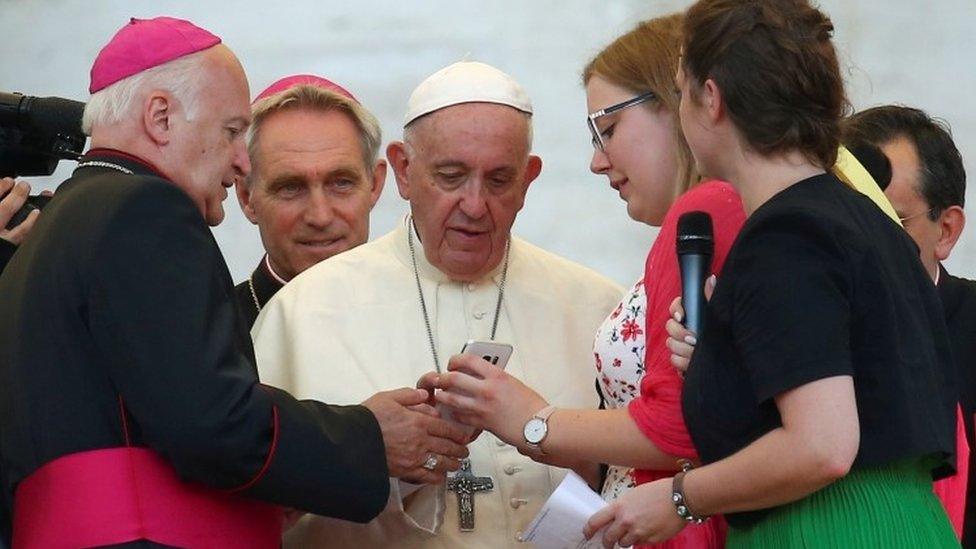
[(560, 522)]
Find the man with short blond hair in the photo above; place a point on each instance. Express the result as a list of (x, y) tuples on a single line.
[(315, 178)]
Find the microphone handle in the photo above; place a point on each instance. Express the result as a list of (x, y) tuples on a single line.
[(694, 271)]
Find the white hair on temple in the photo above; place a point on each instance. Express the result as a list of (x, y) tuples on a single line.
[(182, 77)]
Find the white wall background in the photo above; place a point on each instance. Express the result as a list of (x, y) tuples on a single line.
[(905, 51)]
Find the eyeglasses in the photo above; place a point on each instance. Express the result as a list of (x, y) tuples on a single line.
[(591, 118), (913, 216)]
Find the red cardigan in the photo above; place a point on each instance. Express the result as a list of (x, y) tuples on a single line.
[(657, 411)]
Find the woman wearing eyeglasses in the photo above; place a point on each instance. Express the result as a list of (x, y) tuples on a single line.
[(638, 146), (815, 397)]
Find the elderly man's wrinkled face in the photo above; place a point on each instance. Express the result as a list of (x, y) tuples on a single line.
[(465, 170), (311, 192), (207, 154)]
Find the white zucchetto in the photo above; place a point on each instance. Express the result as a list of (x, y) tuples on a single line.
[(466, 82)]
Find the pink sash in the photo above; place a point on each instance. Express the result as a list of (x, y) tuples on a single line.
[(118, 495)]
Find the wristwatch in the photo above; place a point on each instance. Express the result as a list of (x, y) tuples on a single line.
[(537, 428)]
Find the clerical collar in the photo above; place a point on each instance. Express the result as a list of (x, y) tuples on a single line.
[(264, 283), (105, 159), (267, 265), (426, 269)]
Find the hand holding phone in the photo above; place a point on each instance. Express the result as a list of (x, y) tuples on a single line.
[(493, 353)]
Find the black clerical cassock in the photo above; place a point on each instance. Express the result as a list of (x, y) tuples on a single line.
[(129, 402)]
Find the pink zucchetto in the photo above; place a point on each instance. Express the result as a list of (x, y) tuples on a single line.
[(289, 82), (144, 44)]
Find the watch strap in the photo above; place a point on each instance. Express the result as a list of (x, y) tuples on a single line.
[(544, 413)]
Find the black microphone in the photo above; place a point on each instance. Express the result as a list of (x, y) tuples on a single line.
[(695, 245)]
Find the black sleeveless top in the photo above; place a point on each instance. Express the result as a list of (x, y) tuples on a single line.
[(821, 283)]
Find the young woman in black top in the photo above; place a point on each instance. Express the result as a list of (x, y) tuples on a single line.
[(815, 396)]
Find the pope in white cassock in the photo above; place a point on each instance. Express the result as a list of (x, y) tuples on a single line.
[(383, 314)]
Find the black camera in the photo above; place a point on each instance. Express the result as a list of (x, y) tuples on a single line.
[(35, 134), (38, 132)]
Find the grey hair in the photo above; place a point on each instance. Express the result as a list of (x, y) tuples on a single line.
[(182, 77), (307, 96)]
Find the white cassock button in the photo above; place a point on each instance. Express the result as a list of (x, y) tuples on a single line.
[(479, 315), (511, 469), (518, 537), (472, 286), (517, 502), (499, 442)]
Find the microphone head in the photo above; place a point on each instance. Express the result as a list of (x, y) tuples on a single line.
[(695, 234)]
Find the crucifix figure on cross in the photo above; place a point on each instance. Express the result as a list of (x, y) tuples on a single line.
[(465, 484)]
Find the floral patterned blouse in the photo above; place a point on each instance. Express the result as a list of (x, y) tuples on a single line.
[(618, 351)]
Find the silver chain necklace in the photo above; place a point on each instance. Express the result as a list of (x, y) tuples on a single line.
[(250, 285), (100, 164), (423, 303)]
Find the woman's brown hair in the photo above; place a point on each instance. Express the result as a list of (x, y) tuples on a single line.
[(777, 69), (646, 59)]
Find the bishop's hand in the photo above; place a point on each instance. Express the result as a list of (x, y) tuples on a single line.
[(413, 435), (484, 396)]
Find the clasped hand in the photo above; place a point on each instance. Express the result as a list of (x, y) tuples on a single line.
[(420, 446), (485, 397)]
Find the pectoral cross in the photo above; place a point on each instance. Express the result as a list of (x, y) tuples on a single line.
[(465, 484)]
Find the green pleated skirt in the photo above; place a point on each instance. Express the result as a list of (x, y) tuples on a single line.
[(887, 507)]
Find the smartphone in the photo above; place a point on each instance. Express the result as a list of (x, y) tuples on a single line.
[(494, 353)]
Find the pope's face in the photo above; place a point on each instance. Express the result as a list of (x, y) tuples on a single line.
[(465, 170)]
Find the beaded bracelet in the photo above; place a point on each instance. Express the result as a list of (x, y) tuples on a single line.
[(678, 495)]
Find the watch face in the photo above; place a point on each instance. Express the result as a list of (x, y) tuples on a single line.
[(535, 430)]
